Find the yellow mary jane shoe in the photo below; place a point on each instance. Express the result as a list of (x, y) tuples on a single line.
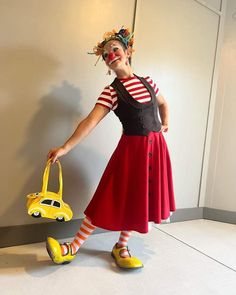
[(125, 262), (54, 251)]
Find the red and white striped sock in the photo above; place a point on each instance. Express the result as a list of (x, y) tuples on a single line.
[(123, 241), (84, 232)]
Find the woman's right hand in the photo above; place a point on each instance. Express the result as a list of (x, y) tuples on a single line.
[(55, 153)]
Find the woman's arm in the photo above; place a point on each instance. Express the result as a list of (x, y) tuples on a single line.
[(164, 112), (86, 126), (83, 129)]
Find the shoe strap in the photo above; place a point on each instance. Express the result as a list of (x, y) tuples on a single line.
[(68, 247), (125, 248)]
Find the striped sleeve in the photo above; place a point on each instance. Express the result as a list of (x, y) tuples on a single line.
[(108, 98), (153, 84)]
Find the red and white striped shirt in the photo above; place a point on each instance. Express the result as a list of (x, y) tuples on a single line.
[(134, 86)]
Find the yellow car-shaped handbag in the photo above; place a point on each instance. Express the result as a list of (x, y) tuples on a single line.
[(49, 204)]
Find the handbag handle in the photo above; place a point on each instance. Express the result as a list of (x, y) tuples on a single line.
[(46, 178)]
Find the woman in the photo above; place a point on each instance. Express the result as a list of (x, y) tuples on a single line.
[(136, 187)]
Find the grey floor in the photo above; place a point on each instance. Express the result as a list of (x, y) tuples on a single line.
[(191, 257)]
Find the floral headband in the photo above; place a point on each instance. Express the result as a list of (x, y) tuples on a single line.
[(124, 36)]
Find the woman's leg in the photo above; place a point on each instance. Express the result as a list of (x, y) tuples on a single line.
[(86, 229), (123, 241), (62, 254)]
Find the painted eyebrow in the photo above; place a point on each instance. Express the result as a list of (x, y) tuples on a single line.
[(114, 45)]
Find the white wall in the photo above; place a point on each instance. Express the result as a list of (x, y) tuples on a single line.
[(221, 188), (177, 39), (48, 83)]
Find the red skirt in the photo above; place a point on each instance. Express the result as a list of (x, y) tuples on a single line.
[(136, 186)]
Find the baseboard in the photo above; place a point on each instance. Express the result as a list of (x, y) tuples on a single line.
[(38, 232), (34, 233), (219, 215)]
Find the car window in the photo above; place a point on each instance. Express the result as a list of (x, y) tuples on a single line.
[(46, 202), (56, 204)]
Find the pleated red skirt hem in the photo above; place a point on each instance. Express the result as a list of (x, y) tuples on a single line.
[(136, 186)]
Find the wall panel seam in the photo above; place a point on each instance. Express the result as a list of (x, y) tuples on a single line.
[(211, 8)]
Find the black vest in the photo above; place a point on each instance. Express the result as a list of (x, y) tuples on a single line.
[(136, 118)]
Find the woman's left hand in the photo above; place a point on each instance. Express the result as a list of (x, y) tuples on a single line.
[(164, 128)]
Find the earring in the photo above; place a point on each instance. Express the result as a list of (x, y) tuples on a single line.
[(109, 72)]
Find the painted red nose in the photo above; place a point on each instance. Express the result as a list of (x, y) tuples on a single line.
[(111, 55)]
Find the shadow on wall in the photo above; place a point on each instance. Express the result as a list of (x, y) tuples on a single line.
[(49, 126)]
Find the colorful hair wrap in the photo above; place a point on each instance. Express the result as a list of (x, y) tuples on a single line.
[(124, 36)]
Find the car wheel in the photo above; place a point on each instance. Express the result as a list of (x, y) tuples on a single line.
[(60, 218), (36, 214)]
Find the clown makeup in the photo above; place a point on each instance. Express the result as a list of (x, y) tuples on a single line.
[(114, 48), (113, 51)]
